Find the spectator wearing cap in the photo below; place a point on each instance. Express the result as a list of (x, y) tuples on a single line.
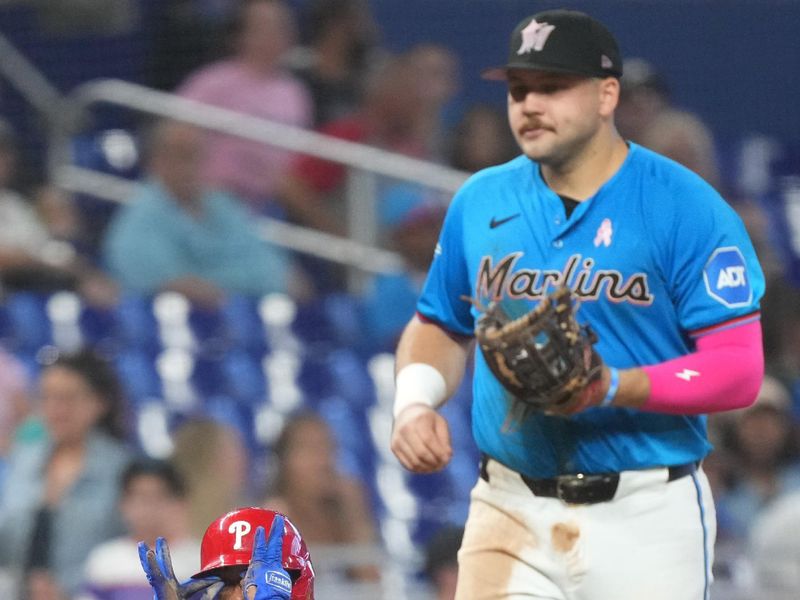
[(410, 219), (647, 116)]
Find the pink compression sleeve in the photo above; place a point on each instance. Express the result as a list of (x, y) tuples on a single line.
[(724, 373)]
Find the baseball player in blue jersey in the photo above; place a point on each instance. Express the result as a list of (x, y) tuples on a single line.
[(607, 499)]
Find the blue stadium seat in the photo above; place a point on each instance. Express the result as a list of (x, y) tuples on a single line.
[(29, 325), (143, 319), (237, 415), (99, 326), (314, 379), (208, 376), (349, 378), (208, 325), (137, 325), (342, 311), (312, 325), (329, 370), (243, 324), (332, 319), (430, 488), (137, 371), (6, 331), (245, 375), (351, 430)]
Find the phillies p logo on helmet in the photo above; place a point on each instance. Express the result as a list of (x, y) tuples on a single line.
[(228, 541), (239, 529)]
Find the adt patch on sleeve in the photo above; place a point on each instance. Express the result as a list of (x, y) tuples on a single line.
[(726, 279)]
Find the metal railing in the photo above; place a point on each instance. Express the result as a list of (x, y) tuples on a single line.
[(27, 79), (294, 237), (65, 113), (366, 164)]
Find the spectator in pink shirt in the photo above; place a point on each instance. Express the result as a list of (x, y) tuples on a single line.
[(253, 81)]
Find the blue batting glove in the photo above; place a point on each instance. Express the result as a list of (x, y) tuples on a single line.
[(157, 565), (266, 572)]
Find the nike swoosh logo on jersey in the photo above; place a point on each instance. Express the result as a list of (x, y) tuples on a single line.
[(497, 222)]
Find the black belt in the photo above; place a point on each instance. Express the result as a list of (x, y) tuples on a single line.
[(583, 488)]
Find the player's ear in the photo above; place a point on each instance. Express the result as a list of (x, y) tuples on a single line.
[(608, 95)]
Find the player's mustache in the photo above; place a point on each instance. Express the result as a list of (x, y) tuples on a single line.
[(535, 124)]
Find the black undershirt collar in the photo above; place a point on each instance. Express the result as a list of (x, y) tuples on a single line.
[(570, 204)]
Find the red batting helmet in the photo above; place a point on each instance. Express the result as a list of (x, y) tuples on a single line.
[(228, 541)]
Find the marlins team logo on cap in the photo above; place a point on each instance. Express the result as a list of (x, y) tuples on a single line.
[(562, 41), (534, 36)]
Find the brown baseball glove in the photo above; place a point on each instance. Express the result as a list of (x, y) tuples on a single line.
[(544, 358)]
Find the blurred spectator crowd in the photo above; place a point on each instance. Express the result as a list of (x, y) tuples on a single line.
[(161, 363)]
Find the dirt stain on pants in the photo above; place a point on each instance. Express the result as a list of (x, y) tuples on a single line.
[(565, 535), (493, 542)]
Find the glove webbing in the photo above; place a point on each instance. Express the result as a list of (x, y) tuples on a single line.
[(540, 355)]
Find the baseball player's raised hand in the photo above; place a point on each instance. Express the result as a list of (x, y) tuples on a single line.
[(157, 565), (421, 439), (266, 579)]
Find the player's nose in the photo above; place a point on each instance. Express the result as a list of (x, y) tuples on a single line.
[(533, 103)]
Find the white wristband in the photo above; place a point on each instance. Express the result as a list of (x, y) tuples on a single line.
[(419, 383)]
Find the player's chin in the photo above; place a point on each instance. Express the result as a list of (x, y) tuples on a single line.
[(536, 150)]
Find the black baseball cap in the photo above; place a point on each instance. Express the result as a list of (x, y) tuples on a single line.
[(563, 41)]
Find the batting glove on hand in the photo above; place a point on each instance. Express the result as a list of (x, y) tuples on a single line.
[(157, 565), (266, 572)]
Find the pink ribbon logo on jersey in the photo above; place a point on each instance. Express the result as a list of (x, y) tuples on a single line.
[(604, 233)]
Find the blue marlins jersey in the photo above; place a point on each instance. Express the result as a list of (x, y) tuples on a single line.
[(655, 257)]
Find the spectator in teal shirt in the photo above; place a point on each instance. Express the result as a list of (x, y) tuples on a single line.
[(174, 234)]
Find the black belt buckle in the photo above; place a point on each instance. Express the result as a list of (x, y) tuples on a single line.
[(586, 489)]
